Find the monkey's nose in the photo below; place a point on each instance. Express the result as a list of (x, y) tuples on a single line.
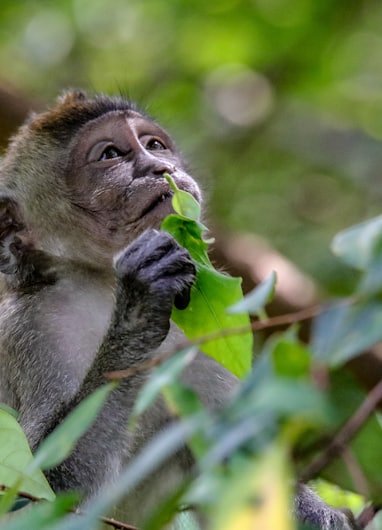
[(165, 168), (154, 168)]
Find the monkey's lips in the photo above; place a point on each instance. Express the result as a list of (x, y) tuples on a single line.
[(161, 205)]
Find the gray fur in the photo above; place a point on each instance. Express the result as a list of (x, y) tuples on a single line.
[(88, 285)]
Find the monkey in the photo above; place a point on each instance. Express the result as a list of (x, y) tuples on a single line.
[(88, 281)]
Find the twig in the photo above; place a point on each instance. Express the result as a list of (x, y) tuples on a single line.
[(289, 318), (22, 494), (367, 515), (281, 320), (356, 474), (118, 525), (348, 431)]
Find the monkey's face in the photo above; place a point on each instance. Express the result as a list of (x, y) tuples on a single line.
[(88, 177), (116, 175)]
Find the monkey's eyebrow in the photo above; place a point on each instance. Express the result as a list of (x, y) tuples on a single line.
[(145, 123), (97, 147)]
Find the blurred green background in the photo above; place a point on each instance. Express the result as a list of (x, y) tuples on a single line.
[(276, 103)]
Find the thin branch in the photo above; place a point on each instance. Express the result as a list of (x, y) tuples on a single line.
[(356, 474), (118, 525), (348, 431), (367, 515), (22, 494), (281, 320), (289, 318)]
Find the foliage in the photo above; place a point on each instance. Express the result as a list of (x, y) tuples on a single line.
[(297, 401), (212, 294), (276, 101), (280, 101), (15, 459)]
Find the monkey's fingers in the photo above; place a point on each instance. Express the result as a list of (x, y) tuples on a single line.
[(182, 299)]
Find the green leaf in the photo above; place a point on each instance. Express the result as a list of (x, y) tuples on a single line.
[(16, 457), (360, 245), (165, 374), (9, 498), (298, 400), (206, 313), (58, 445), (338, 498), (257, 495), (255, 301), (151, 457), (290, 357), (183, 202), (42, 516), (189, 234), (212, 294), (272, 392), (345, 331), (9, 410), (184, 402)]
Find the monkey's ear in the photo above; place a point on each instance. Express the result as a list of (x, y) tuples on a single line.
[(71, 97), (11, 223)]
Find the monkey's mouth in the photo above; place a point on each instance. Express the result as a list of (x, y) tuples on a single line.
[(163, 199)]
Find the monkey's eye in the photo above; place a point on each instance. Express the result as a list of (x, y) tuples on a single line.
[(155, 145), (110, 152)]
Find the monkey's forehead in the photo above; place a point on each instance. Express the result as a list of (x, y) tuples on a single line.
[(71, 113)]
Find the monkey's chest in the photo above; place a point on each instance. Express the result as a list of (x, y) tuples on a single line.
[(75, 320)]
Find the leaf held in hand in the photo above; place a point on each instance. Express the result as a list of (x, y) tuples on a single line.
[(212, 293)]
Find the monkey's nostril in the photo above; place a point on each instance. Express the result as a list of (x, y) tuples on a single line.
[(164, 169)]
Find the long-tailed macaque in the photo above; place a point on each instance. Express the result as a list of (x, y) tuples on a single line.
[(87, 286)]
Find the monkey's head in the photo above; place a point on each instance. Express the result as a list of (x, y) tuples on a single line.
[(88, 176)]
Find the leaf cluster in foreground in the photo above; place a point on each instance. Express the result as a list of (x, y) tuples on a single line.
[(297, 411)]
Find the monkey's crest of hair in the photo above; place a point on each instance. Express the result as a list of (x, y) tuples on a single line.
[(73, 110)]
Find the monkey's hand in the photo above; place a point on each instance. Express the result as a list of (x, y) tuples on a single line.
[(152, 273)]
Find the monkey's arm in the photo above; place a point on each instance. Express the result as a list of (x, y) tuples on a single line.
[(150, 273)]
